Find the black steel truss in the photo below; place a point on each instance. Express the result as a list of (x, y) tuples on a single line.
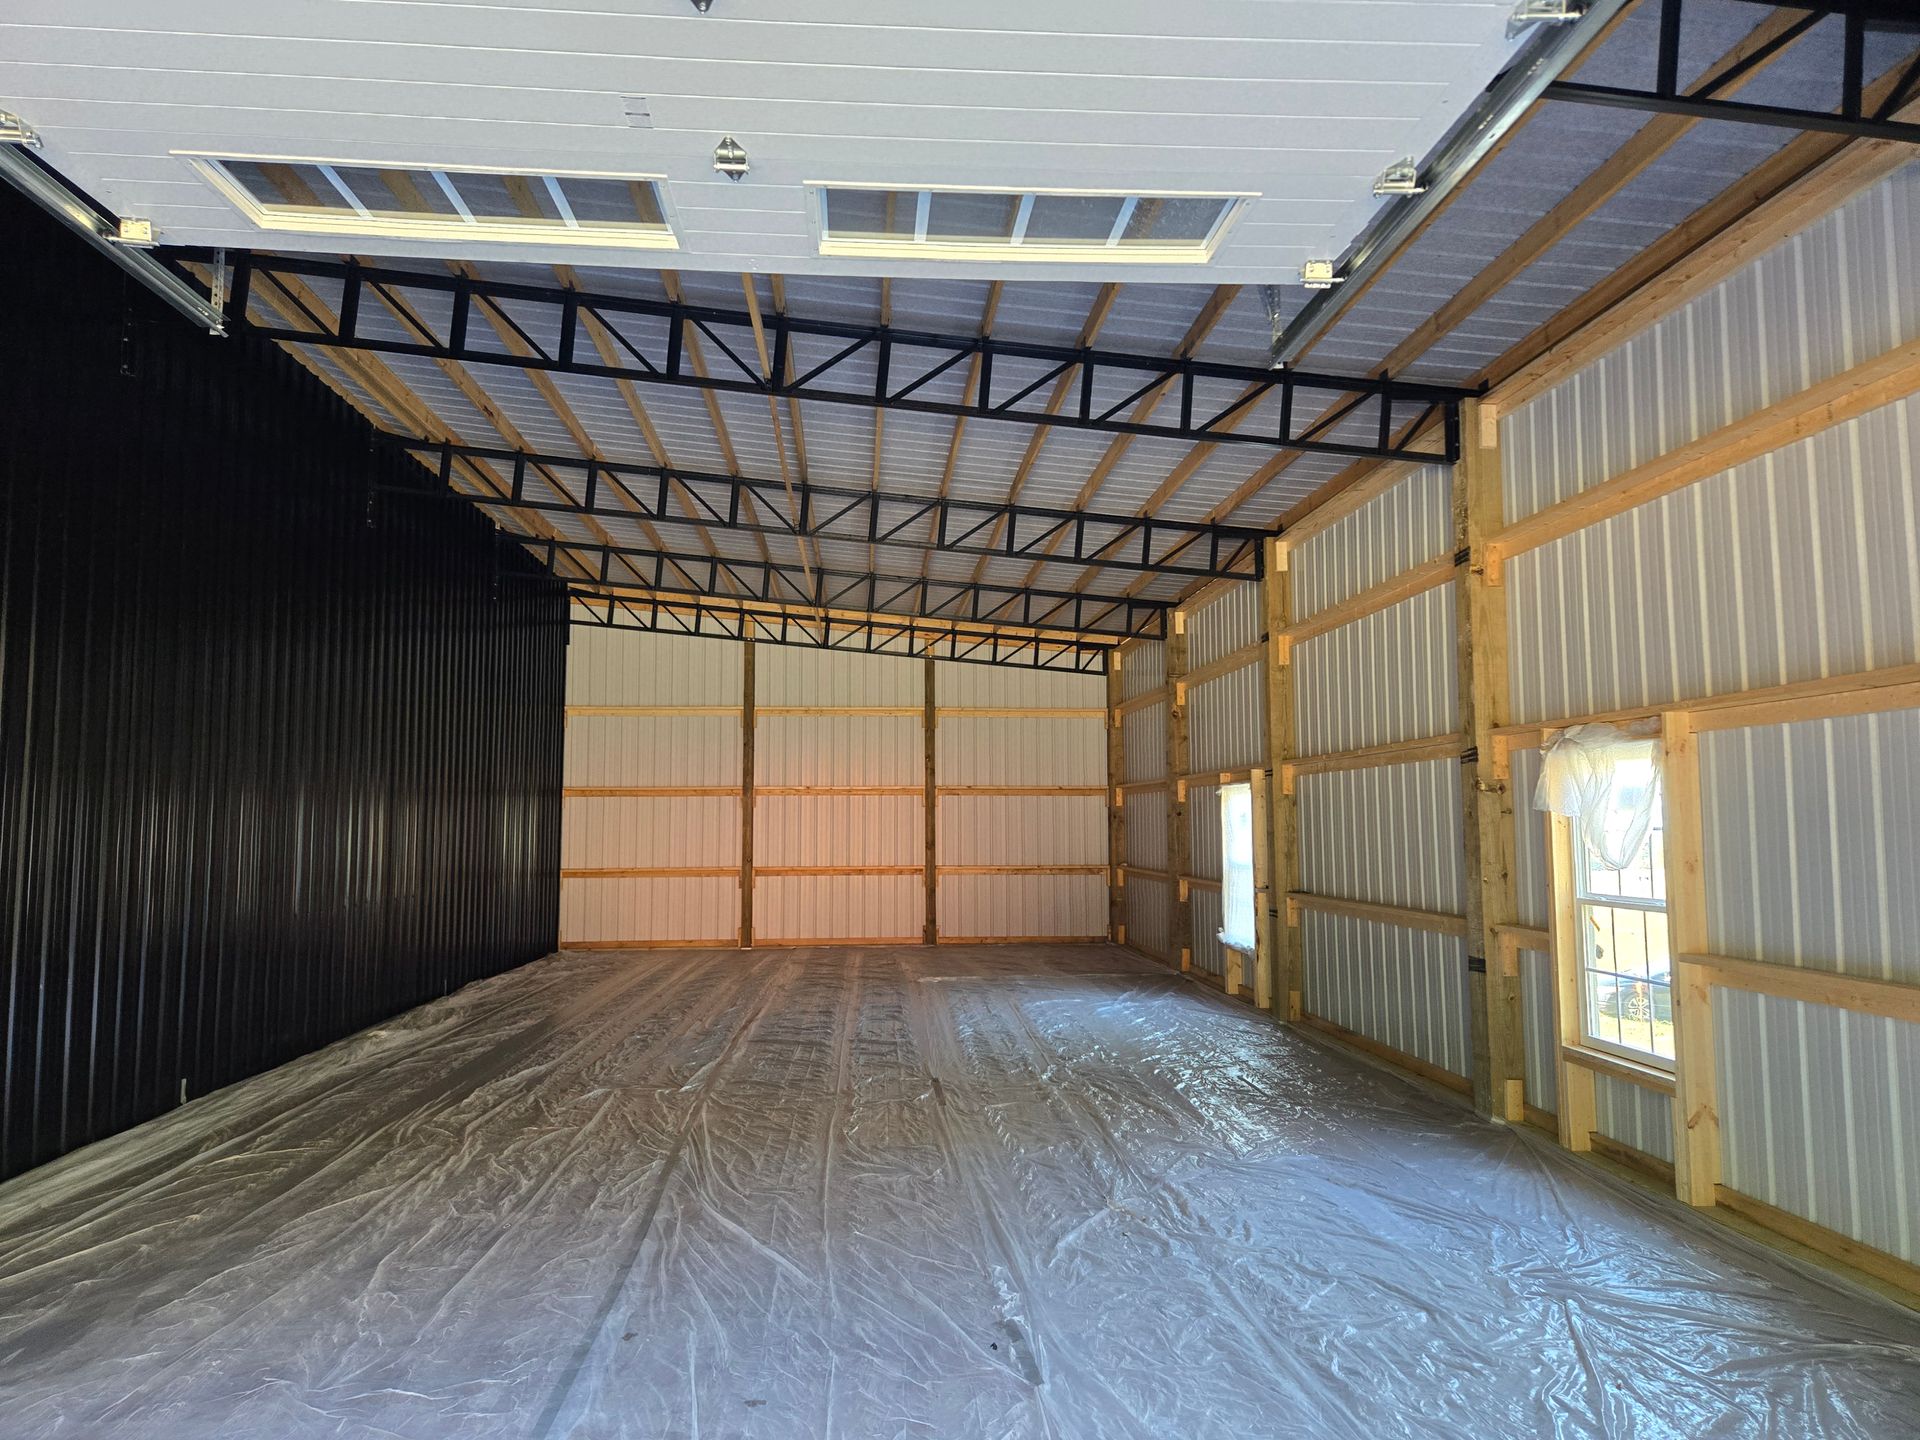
[(621, 491), (876, 635), (896, 365), (711, 577), (1852, 118)]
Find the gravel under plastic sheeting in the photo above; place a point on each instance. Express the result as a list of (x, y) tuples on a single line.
[(960, 1192)]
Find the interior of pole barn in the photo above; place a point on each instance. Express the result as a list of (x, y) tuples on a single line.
[(838, 718)]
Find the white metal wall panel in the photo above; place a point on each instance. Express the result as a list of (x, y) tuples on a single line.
[(1391, 676), (1147, 904), (838, 830), (1005, 907), (1537, 1031), (608, 667), (649, 831), (1143, 667), (1203, 815), (689, 910), (1810, 833), (839, 750), (1003, 750), (1022, 830), (1146, 812), (1803, 563), (1406, 526), (1634, 1116), (1209, 955), (625, 667), (798, 675), (832, 908), (1532, 869), (1143, 743), (1227, 720), (1838, 294), (1229, 622), (1391, 835), (1011, 686), (1404, 988), (1819, 1117), (652, 750), (1037, 830)]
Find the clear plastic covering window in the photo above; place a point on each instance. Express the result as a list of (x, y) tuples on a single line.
[(1606, 781), (1236, 875)]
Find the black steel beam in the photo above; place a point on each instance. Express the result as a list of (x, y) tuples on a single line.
[(722, 578), (1850, 119), (876, 635), (836, 363), (622, 491)]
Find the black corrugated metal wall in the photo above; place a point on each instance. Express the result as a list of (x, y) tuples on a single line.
[(277, 763)]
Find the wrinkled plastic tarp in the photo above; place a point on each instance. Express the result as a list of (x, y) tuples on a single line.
[(950, 1193)]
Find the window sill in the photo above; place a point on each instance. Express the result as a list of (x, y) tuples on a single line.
[(1605, 1062)]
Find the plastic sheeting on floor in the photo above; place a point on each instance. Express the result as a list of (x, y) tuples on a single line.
[(961, 1193)]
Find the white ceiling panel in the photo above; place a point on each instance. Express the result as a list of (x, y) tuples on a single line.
[(1298, 102)]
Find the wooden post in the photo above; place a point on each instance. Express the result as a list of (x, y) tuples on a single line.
[(930, 805), (747, 725), (1263, 977), (1499, 1055), (1116, 806), (1696, 1108), (1577, 1110), (1179, 840), (1283, 818)]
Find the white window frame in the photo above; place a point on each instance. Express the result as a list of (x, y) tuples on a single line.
[(1580, 902), (464, 225), (1108, 252)]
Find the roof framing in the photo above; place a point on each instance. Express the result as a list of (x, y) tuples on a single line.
[(1214, 399), (868, 634), (1190, 549)]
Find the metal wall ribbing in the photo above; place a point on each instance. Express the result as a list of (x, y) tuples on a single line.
[(276, 761), (1803, 563), (1389, 833)]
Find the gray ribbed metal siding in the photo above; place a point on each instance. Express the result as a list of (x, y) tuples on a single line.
[(1391, 834), (1799, 564), (1845, 290), (1227, 721), (1230, 621), (1803, 563), (1143, 743), (1391, 676), (1404, 988), (1143, 667), (1409, 525)]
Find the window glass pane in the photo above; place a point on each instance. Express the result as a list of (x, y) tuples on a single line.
[(409, 194), (1628, 972), (612, 202), (1236, 852), (497, 198), (955, 215), (1183, 222), (870, 214), (1073, 219), (274, 182)]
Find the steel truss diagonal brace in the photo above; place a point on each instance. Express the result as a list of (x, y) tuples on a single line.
[(868, 634), (836, 363), (1186, 549), (719, 577), (1852, 118)]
